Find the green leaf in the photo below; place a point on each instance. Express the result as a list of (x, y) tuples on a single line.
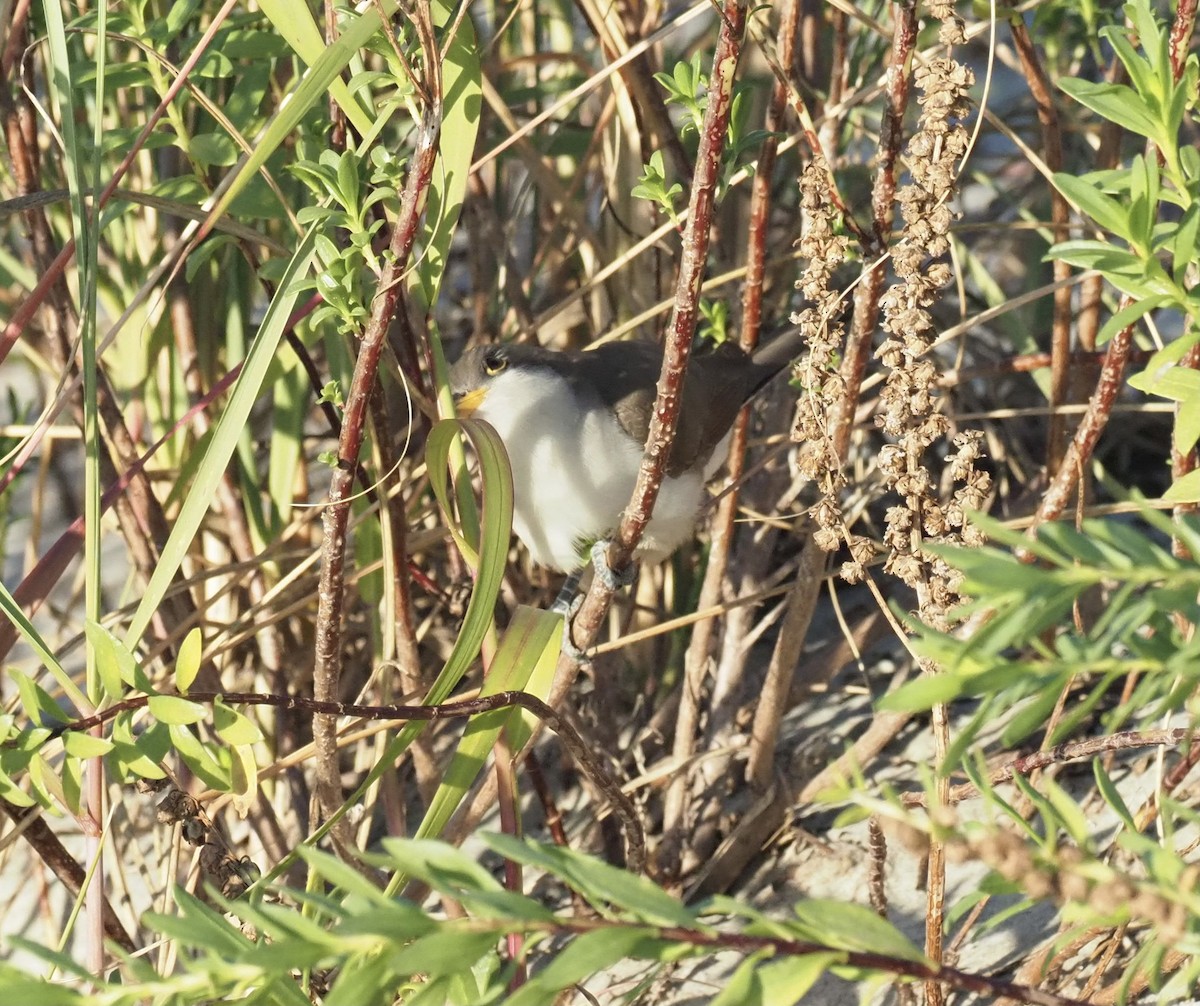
[(1117, 102), (174, 711), (1144, 196), (40, 991), (213, 149), (1185, 489), (370, 972), (187, 664), (197, 925), (1102, 208), (761, 979), (443, 867), (141, 755), (1184, 245), (9, 790), (198, 758), (116, 666), (1142, 68), (852, 927), (36, 701), (347, 180), (1187, 425), (394, 919), (925, 692), (1030, 717), (243, 777), (72, 784), (602, 884), (1074, 821), (346, 878), (11, 610), (1111, 795), (45, 781), (1130, 314), (1101, 255), (232, 726), (583, 957), (742, 987), (446, 951), (214, 65), (82, 745), (1179, 384)]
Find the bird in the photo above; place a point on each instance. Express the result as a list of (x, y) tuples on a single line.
[(574, 425)]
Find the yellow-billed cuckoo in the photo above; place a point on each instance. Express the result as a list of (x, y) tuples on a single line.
[(574, 425)]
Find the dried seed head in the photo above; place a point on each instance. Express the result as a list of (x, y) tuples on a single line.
[(910, 407)]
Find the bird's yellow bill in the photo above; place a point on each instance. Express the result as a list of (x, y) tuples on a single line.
[(466, 405)]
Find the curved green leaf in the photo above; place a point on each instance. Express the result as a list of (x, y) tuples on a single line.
[(602, 884), (187, 664), (853, 927), (81, 745), (234, 727), (528, 649), (490, 553), (174, 711)]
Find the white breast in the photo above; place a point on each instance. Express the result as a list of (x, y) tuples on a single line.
[(574, 472)]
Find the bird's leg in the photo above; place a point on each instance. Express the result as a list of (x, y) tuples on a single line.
[(567, 604), (608, 576), (567, 599)]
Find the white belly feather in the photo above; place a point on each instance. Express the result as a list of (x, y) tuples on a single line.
[(574, 472)]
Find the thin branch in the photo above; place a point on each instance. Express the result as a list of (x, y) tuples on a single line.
[(746, 944), (1079, 453), (458, 709), (331, 591), (1070, 751), (1041, 90), (679, 340)]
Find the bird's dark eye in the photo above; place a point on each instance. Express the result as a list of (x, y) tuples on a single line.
[(494, 362)]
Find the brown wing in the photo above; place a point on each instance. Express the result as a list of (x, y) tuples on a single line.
[(625, 377)]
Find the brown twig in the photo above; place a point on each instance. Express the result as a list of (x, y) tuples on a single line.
[(1079, 452), (1070, 751), (746, 944), (1180, 40), (696, 658), (877, 867), (330, 594), (54, 854), (679, 341), (553, 816), (1041, 91)]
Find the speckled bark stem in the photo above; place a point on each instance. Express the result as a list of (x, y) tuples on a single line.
[(331, 589)]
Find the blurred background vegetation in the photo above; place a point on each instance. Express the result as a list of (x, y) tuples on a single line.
[(240, 242)]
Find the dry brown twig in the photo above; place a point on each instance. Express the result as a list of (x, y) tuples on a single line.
[(328, 646)]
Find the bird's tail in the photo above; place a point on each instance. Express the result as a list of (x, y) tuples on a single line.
[(774, 354)]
